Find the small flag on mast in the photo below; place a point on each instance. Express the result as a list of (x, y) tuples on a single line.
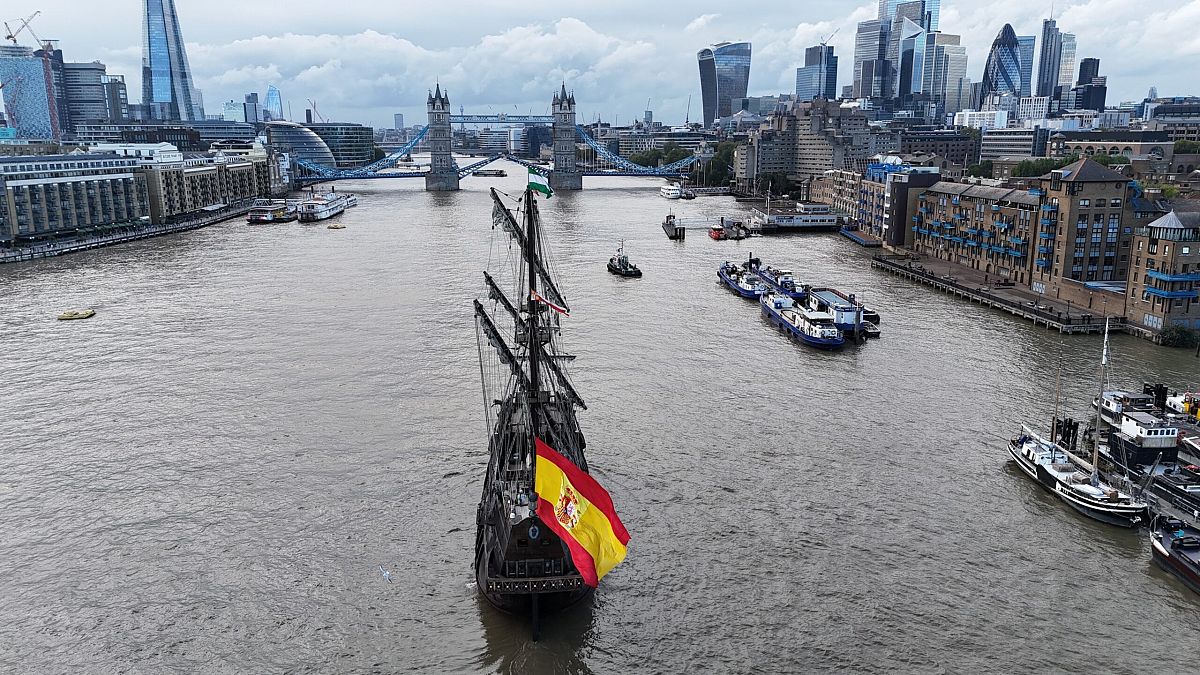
[(538, 297), (538, 182)]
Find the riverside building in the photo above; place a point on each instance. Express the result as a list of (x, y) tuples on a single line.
[(1164, 283), (47, 196)]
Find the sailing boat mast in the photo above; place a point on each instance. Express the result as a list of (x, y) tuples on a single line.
[(1099, 404), (533, 346)]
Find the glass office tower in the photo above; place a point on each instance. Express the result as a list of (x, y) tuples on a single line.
[(1002, 74), (167, 91), (724, 76)]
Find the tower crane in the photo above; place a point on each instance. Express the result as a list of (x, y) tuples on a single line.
[(826, 40), (313, 105), (11, 35)]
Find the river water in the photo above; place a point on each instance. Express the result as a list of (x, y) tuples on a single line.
[(208, 474)]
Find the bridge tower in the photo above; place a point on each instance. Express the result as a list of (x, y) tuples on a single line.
[(443, 173), (565, 175)]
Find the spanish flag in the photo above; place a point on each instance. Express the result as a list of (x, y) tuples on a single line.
[(578, 510)]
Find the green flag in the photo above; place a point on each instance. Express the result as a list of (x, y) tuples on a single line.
[(538, 182)]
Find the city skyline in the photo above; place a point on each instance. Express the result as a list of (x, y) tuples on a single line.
[(612, 56)]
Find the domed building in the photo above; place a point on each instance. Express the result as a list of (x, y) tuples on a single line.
[(299, 142)]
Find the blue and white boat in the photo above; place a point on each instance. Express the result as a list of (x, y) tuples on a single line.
[(781, 281), (742, 280), (811, 327)]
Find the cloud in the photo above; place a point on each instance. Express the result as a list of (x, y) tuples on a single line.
[(363, 64), (700, 22)]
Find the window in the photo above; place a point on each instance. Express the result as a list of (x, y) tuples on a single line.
[(1116, 203), (1085, 202)]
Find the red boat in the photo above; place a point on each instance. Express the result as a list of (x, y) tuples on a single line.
[(717, 232)]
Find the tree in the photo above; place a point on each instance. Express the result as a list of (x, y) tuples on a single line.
[(981, 170), (669, 154), (379, 154), (1109, 160), (1179, 336), (1187, 148), (719, 170)]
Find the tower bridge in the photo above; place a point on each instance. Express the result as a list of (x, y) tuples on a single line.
[(444, 172)]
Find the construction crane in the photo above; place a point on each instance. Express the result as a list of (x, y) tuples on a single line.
[(313, 104), (826, 40), (11, 35)]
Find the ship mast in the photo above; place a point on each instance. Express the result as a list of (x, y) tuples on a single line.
[(1099, 404), (533, 346)]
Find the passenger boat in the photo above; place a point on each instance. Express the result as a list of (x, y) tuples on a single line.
[(815, 329), (521, 565), (619, 264), (717, 233), (271, 212), (1073, 480), (1175, 547), (781, 281), (322, 207), (75, 314), (741, 280), (671, 191)]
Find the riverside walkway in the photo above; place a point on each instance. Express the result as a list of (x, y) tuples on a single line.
[(979, 288), (124, 234)]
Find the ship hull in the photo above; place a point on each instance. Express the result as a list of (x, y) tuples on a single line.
[(1174, 564), (749, 294), (1112, 514)]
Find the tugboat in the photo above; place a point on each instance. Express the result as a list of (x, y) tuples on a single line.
[(619, 264), (815, 329), (521, 564), (1175, 546), (741, 279), (1073, 480)]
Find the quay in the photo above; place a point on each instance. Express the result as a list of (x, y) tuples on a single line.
[(125, 233), (1024, 304), (864, 239)]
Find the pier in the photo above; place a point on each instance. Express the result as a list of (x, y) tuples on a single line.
[(1006, 298)]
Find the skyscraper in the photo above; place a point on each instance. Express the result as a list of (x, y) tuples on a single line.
[(1089, 69), (1025, 48), (1049, 59), (167, 90), (1066, 61), (945, 72), (29, 101), (891, 52), (818, 77), (273, 107), (724, 76), (1002, 73), (870, 64)]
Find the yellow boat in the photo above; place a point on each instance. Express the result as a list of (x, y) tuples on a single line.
[(72, 314), (336, 226)]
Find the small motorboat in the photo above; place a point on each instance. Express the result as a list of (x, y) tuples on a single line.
[(73, 314), (335, 226), (717, 233), (619, 264)]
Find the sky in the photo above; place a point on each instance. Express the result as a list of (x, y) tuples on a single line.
[(363, 60)]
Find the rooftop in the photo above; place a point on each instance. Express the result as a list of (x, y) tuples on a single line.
[(1087, 171)]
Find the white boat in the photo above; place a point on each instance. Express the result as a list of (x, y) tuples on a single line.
[(1072, 479), (672, 191), (321, 207)]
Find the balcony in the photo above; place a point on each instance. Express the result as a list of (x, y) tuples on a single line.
[(1045, 235), (1049, 207), (954, 201), (995, 208), (1042, 263), (1162, 276), (1016, 240), (923, 210), (1037, 192), (972, 230), (1047, 221), (1173, 295), (1045, 249), (957, 216), (1014, 253)]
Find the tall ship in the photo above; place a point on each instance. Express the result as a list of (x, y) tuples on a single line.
[(322, 207), (526, 557), (1078, 483)]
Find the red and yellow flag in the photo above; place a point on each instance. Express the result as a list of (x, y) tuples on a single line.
[(577, 509)]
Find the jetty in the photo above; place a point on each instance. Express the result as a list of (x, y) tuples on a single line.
[(997, 294)]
